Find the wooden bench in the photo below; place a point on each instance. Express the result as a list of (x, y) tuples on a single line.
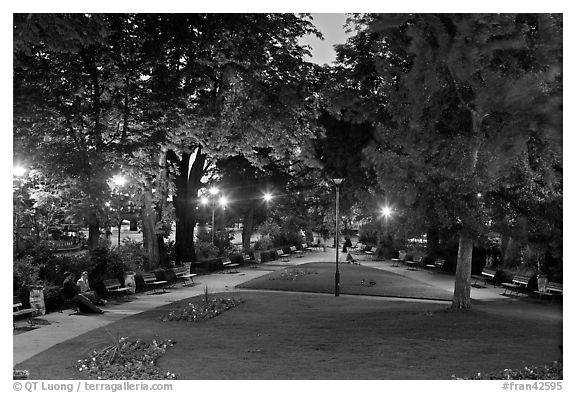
[(306, 247), (397, 261), (17, 311), (551, 291), (228, 266), (414, 264), (369, 250), (150, 280), (113, 286), (437, 266), (183, 273), (487, 275), (519, 284), (282, 256), (296, 251)]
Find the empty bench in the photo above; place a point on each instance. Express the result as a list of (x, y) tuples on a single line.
[(414, 264), (519, 284), (113, 286), (183, 273), (18, 311), (552, 290), (151, 281), (437, 266), (487, 275), (228, 266), (283, 256)]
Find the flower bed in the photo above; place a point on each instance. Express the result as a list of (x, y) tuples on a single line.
[(546, 372), (127, 360), (208, 309)]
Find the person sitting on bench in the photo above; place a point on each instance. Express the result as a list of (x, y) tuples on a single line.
[(350, 259), (84, 288), (70, 292)]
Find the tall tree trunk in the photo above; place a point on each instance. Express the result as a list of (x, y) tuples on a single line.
[(93, 232), (149, 237), (188, 182), (461, 299), (248, 228)]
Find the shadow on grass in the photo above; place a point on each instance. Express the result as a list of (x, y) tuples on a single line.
[(284, 335)]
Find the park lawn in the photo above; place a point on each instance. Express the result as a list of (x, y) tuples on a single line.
[(285, 335), (318, 277)]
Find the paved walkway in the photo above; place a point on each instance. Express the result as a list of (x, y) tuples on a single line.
[(60, 327)]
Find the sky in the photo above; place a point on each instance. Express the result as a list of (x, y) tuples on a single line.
[(332, 28)]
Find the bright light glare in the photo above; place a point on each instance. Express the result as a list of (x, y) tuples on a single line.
[(119, 180), (19, 171), (223, 201), (214, 190), (204, 200), (267, 197), (386, 211)]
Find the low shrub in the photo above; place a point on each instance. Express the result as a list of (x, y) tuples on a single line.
[(205, 250), (552, 371)]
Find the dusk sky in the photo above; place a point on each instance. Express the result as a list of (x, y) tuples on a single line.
[(331, 26)]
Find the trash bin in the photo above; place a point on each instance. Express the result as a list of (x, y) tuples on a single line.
[(37, 300), (130, 281)]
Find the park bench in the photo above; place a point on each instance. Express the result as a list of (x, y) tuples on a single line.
[(17, 311), (306, 247), (113, 286), (487, 275), (183, 273), (296, 251), (151, 281), (551, 291), (519, 284), (228, 265), (397, 261), (414, 264), (360, 248), (283, 256), (370, 250), (437, 266)]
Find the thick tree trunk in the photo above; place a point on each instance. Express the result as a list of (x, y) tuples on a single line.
[(149, 237), (93, 232), (432, 241), (188, 183), (461, 299), (248, 228)]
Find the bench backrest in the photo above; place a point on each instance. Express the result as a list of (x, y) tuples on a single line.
[(181, 270), (304, 246), (280, 252), (489, 271), (112, 283), (293, 248), (16, 302), (521, 279), (554, 286), (440, 262), (417, 259), (148, 277), (226, 260)]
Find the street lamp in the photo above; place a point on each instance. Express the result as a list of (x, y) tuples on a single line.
[(267, 198), (386, 212), (337, 182), (213, 191), (119, 181)]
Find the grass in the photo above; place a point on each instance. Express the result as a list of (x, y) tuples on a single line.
[(284, 335)]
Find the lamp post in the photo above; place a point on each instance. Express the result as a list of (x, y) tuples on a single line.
[(267, 198), (119, 181), (213, 191), (386, 212), (337, 182)]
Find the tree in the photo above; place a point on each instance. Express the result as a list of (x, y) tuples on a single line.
[(473, 92)]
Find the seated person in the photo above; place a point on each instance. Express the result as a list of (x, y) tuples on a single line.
[(70, 292), (350, 259), (84, 288)]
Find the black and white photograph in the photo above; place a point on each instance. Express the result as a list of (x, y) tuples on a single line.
[(265, 195)]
